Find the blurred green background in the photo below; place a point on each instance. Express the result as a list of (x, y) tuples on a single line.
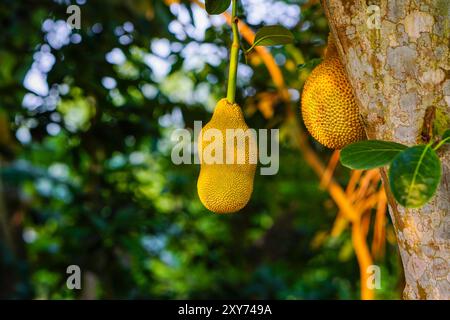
[(86, 176)]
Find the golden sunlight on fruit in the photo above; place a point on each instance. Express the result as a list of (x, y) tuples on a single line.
[(226, 187), (329, 108)]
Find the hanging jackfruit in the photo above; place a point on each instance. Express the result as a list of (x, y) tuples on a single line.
[(226, 186), (329, 108)]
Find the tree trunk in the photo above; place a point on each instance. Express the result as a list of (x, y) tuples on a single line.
[(399, 68)]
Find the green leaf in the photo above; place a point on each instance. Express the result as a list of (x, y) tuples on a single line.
[(273, 36), (414, 176), (370, 154), (310, 64), (217, 6), (445, 139)]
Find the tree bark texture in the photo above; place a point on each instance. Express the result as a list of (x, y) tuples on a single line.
[(399, 68)]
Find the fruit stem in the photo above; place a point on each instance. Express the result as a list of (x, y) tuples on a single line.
[(234, 55)]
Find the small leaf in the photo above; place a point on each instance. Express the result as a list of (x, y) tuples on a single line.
[(310, 64), (217, 6), (414, 176), (272, 36), (370, 154)]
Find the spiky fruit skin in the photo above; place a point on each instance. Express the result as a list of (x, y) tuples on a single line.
[(329, 109), (226, 187)]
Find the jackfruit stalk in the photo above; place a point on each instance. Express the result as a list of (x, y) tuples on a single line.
[(227, 187), (329, 108)]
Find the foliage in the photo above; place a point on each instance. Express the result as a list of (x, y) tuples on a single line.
[(414, 176), (86, 175), (272, 36)]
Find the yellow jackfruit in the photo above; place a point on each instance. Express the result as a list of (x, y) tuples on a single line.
[(329, 108), (227, 186)]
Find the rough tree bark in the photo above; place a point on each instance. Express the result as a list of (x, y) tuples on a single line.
[(400, 73)]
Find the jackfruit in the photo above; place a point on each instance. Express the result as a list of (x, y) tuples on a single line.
[(226, 187), (329, 108)]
